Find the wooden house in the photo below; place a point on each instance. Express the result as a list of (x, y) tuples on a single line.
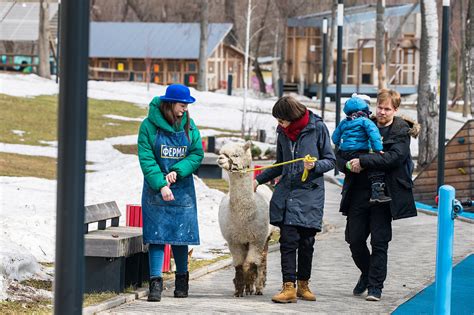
[(359, 73), (163, 52), (458, 168)]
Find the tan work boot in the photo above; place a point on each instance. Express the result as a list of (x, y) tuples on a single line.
[(304, 292), (287, 294)]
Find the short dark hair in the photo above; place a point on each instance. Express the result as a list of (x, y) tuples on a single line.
[(288, 108)]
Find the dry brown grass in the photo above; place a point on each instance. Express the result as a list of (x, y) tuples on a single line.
[(219, 184), (126, 148), (26, 165)]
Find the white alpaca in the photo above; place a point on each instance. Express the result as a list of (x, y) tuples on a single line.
[(244, 221)]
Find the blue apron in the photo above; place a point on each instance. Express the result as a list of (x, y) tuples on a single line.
[(170, 222)]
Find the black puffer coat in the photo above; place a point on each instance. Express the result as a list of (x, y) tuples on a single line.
[(295, 202), (396, 163)]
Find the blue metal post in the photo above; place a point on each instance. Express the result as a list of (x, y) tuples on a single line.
[(444, 251)]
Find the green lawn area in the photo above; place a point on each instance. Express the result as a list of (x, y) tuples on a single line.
[(37, 117)]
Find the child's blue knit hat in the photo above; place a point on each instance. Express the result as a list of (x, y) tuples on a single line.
[(355, 104)]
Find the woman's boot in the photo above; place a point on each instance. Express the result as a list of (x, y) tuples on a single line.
[(287, 294), (304, 292), (181, 285), (156, 287)]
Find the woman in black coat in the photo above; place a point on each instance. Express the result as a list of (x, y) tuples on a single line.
[(297, 206), (363, 218)]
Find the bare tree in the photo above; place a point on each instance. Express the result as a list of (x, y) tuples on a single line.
[(43, 40), (427, 106), (276, 53), (256, 65), (464, 58), (380, 45), (95, 11), (126, 6), (286, 9), (229, 8), (202, 75), (469, 56), (332, 36), (246, 66), (456, 42)]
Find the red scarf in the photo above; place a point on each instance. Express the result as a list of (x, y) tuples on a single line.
[(294, 129)]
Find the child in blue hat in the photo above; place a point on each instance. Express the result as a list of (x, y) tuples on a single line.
[(357, 134)]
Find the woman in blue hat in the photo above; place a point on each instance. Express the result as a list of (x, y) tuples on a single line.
[(169, 150)]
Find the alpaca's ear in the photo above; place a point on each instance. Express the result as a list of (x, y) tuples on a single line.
[(247, 145)]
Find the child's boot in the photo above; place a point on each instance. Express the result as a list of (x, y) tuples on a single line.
[(181, 285), (156, 287), (304, 292), (287, 294), (378, 194)]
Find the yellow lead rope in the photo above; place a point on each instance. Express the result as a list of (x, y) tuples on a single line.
[(307, 158)]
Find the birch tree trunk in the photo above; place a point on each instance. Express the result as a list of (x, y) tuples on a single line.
[(256, 65), (469, 55), (202, 75), (246, 66), (43, 40), (330, 52), (275, 68), (380, 44), (464, 61), (427, 106)]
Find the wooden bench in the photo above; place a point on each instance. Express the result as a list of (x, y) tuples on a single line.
[(115, 256)]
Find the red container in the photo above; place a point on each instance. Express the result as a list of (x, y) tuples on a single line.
[(167, 259), (256, 173), (134, 218), (204, 145)]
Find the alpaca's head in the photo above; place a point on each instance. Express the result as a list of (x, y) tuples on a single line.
[(234, 157)]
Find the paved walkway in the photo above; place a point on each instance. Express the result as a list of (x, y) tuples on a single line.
[(412, 257)]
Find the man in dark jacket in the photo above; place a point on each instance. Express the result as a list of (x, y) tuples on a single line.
[(363, 218), (297, 205)]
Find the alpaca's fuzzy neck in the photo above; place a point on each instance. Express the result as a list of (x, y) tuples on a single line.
[(240, 189)]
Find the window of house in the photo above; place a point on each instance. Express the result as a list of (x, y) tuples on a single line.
[(230, 67), (139, 65), (191, 66), (174, 66), (104, 64), (211, 67), (174, 77)]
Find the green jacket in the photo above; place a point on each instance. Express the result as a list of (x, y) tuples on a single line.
[(146, 139)]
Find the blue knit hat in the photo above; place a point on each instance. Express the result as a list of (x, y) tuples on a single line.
[(355, 104), (178, 93)]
